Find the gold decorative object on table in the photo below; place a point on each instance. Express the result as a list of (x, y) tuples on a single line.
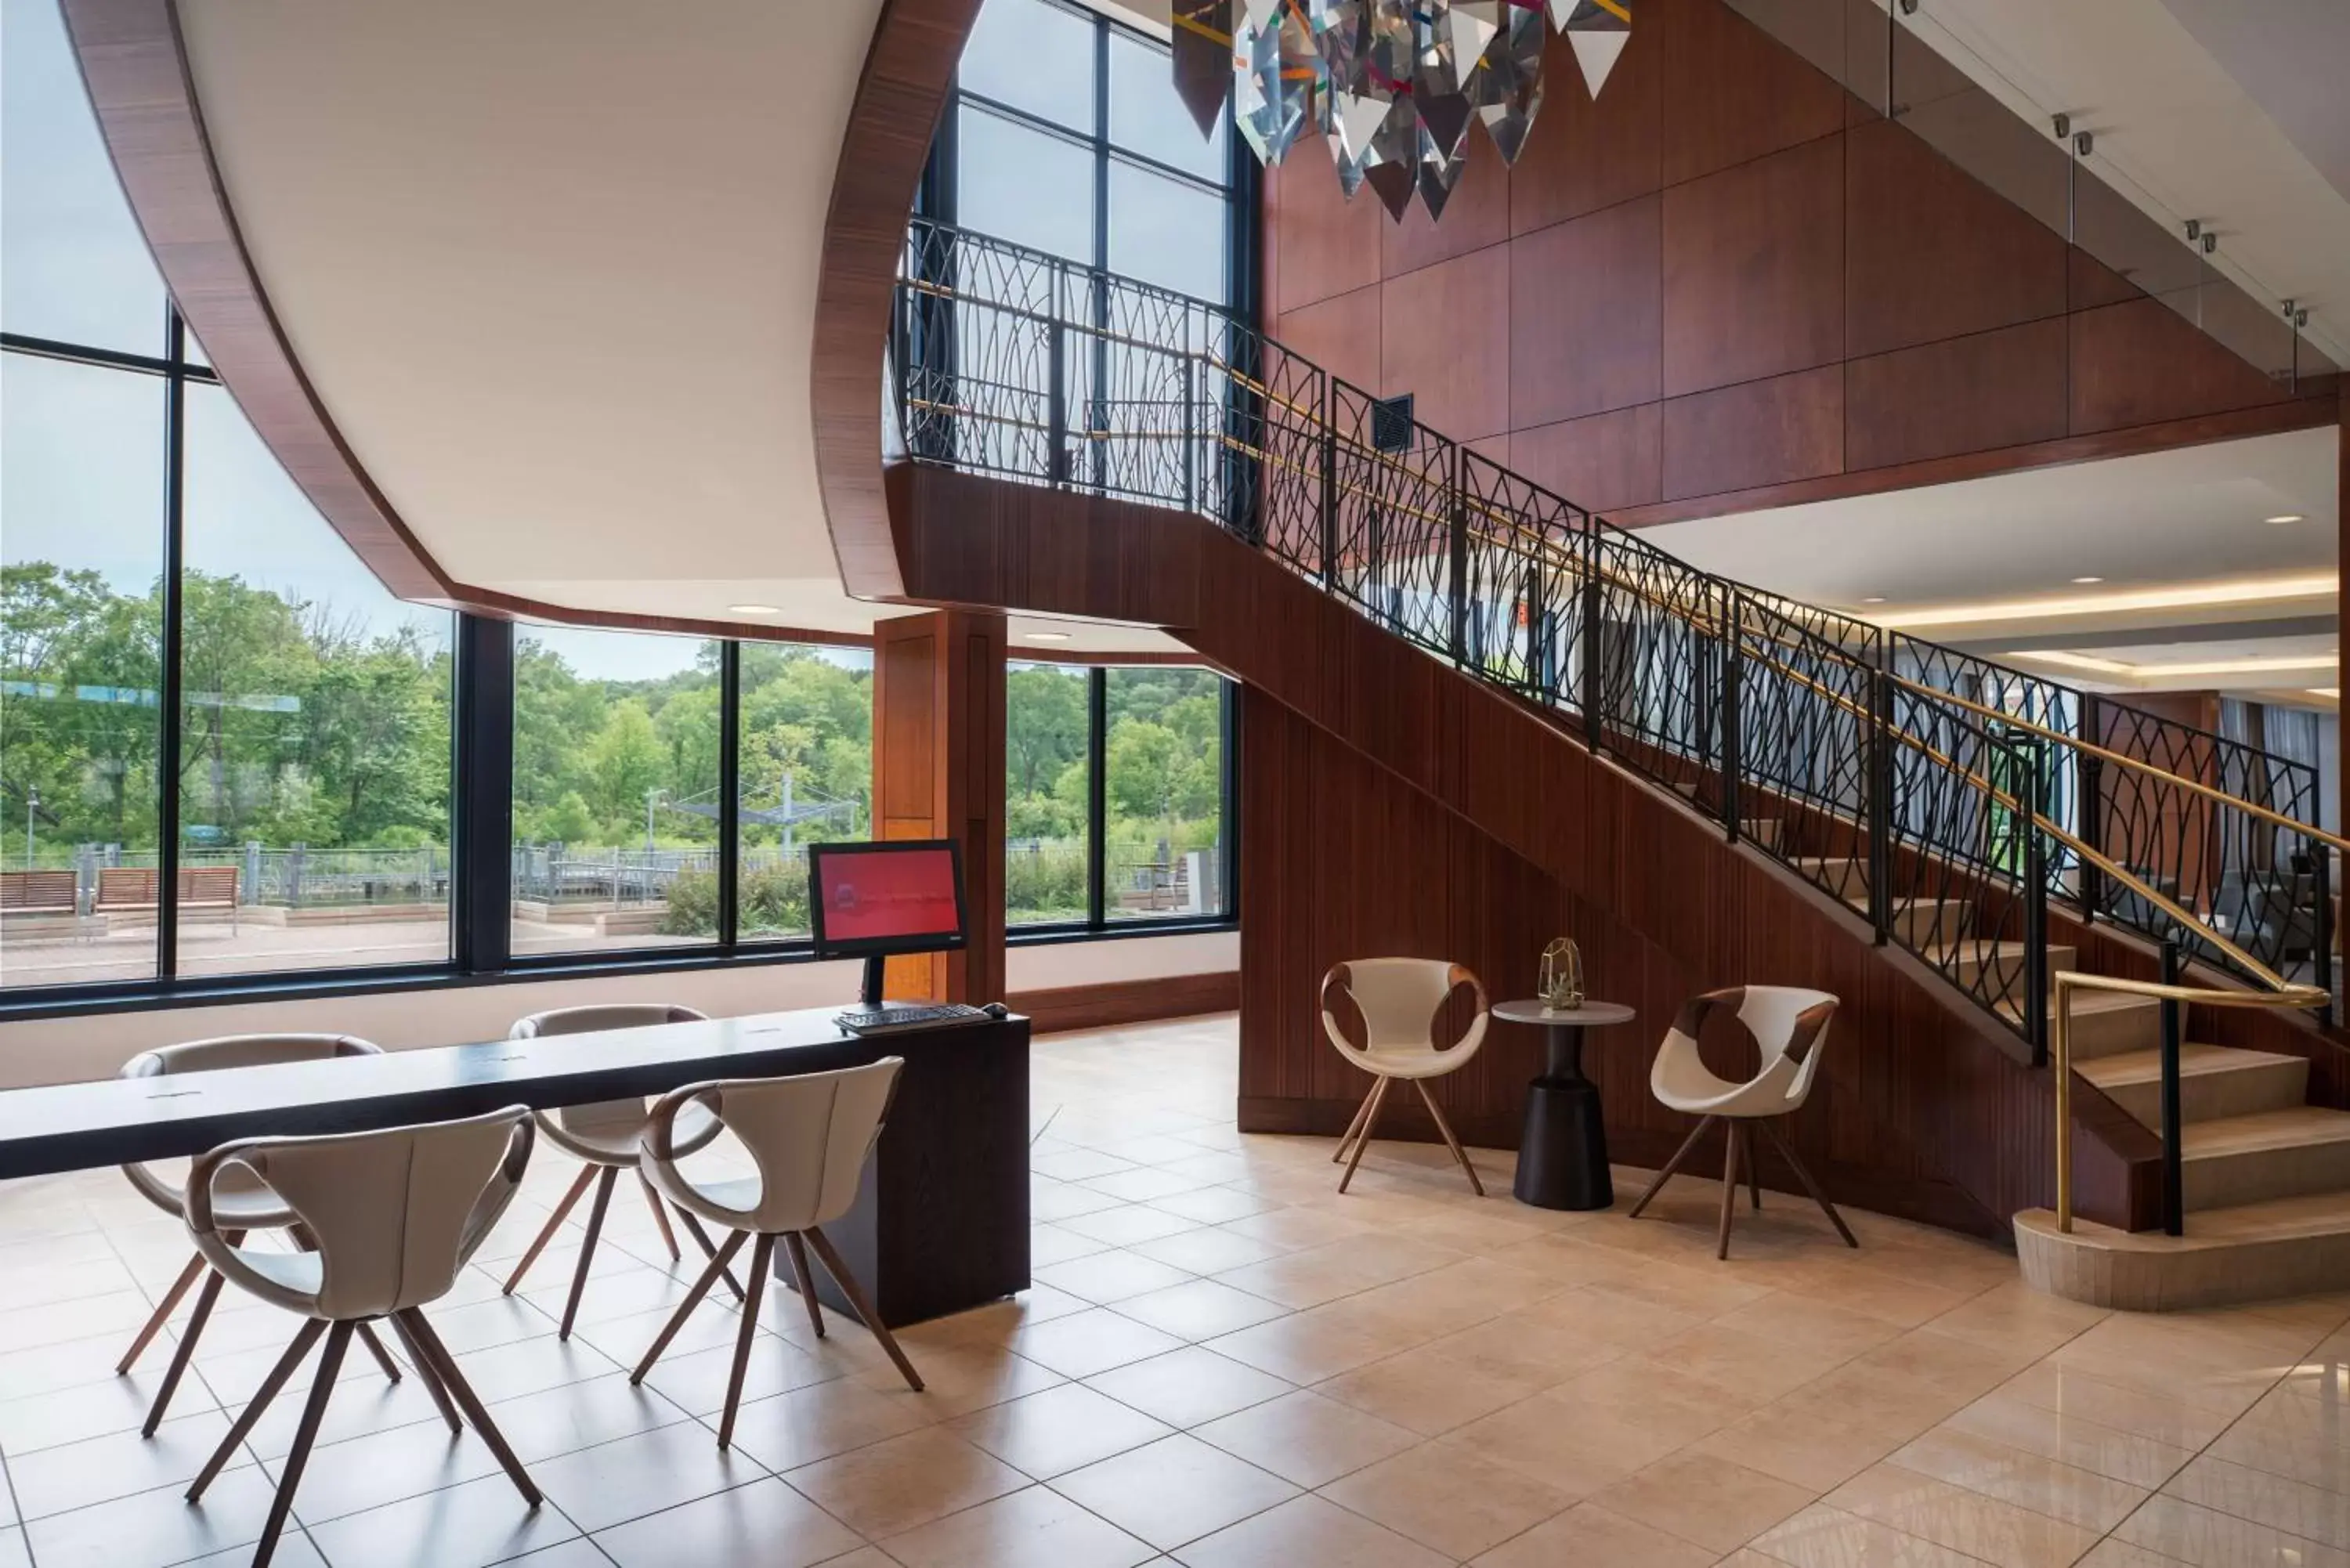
[(1560, 985)]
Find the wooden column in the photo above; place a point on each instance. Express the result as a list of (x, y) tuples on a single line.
[(2342, 671), (938, 772)]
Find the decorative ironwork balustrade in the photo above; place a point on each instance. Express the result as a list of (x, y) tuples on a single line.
[(1950, 799)]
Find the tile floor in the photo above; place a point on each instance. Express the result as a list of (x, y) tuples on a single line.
[(1222, 1365)]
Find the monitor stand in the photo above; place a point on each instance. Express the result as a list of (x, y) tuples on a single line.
[(871, 997)]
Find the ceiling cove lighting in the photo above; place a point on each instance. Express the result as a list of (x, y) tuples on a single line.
[(2191, 666), (1391, 84), (2332, 693), (1047, 636), (2286, 517), (754, 609), (2186, 595), (2084, 582)]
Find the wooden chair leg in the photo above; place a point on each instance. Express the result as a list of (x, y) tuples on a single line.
[(1363, 1140), (426, 1374), (304, 1338), (798, 1250), (1803, 1175), (660, 1214), (588, 1246), (546, 1233), (186, 1349), (1338, 1155), (161, 1314), (762, 1254), (1729, 1186), (718, 1261), (1753, 1166), (1671, 1166), (865, 1314), (1450, 1142), (701, 1239), (331, 1365), (444, 1366)]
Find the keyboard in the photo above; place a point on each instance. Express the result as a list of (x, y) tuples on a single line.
[(890, 1019)]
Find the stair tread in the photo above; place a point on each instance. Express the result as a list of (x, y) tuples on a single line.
[(2090, 1001), (2305, 1215), (2145, 1066), (2295, 1127)]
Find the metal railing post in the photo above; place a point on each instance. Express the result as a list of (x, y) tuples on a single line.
[(1057, 397), (1733, 738), (1191, 441), (1329, 445), (1459, 525), (2090, 771), (1595, 723), (1880, 795), (1538, 670), (2322, 883), (2174, 1180), (2035, 907)]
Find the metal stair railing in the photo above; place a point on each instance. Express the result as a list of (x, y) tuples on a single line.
[(1952, 800)]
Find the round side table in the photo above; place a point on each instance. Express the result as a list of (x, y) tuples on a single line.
[(1563, 1153)]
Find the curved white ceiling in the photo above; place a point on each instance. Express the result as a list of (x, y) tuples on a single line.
[(552, 268)]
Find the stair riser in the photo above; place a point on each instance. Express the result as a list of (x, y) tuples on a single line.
[(2220, 1181), (1762, 831), (2003, 971), (2207, 1097), (1920, 926), (2107, 1271), (2110, 1032)]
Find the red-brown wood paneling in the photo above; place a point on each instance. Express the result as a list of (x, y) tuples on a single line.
[(2142, 362), (1982, 392), (1586, 294), (1341, 333), (1731, 92), (1754, 269), (1760, 432), (1445, 339), (1329, 245), (1584, 154), (1605, 462), (1477, 214)]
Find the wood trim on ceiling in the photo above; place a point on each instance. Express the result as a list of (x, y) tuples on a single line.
[(900, 96), (134, 62)]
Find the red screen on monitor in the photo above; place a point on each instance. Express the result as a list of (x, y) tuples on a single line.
[(886, 894)]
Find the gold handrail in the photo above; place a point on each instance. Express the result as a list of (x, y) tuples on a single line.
[(2066, 982)]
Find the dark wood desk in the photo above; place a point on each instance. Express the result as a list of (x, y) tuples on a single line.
[(941, 1222)]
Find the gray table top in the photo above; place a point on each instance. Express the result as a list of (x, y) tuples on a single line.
[(1590, 1015)]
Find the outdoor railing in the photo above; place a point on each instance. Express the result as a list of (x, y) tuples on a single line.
[(1952, 799)]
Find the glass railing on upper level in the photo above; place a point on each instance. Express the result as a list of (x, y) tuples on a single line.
[(1890, 55), (1950, 800)]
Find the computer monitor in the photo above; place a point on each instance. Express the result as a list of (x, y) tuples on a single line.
[(870, 900)]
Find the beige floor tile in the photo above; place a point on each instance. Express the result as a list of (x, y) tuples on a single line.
[(468, 1526), (1824, 1325), (1112, 1275), (2015, 1313), (1174, 1491), (2207, 1537), (1307, 1530), (764, 1523), (2002, 1417), (1210, 1250), (158, 1527), (1960, 1369), (1305, 1439), (1574, 1451), (1968, 1521), (1037, 1528), (998, 1322), (1200, 1309), (1187, 1386), (2178, 1417), (1595, 1537), (1211, 1205), (1751, 1368), (2297, 1438), (2295, 1506), (614, 1482), (1123, 1225), (1306, 1347), (2082, 1497), (2113, 1552), (784, 1431), (1604, 1315), (1825, 1537), (1705, 1499), (1428, 1390), (1448, 1498), (1536, 1352), (1088, 1342), (76, 1475), (1049, 1244), (960, 1379), (379, 1467), (901, 1482), (1061, 1429)]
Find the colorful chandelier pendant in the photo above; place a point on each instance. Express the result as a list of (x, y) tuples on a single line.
[(1391, 86)]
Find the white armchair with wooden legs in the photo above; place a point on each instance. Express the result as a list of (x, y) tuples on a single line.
[(604, 1137), (242, 1201), (394, 1216), (1399, 998), (809, 1135), (1789, 1029)]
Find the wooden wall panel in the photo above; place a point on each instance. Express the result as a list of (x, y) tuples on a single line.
[(1753, 270), (1586, 294), (1794, 229)]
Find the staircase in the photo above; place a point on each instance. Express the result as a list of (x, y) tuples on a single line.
[(1980, 819)]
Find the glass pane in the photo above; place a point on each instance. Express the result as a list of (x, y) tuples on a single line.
[(1165, 233), (73, 265), (1163, 773), (1025, 186), (615, 790), (807, 761), (1044, 785), (1147, 117), (314, 759), (81, 486), (1035, 57)]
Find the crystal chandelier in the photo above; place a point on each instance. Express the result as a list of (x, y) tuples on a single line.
[(1391, 84)]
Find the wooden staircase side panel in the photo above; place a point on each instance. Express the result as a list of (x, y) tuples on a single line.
[(1390, 804)]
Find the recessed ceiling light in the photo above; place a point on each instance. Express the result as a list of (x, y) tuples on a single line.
[(753, 609), (2332, 691), (2286, 517), (1874, 600), (2085, 581), (1048, 637)]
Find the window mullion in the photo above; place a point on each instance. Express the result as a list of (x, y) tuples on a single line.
[(170, 717), (1097, 797), (729, 790)]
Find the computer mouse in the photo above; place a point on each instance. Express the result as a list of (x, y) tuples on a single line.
[(996, 1010)]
